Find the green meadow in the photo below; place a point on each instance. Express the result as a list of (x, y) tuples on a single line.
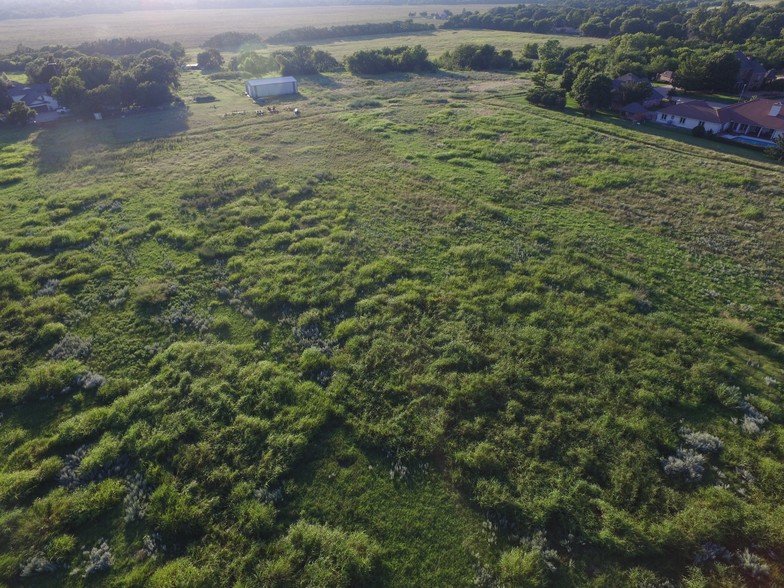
[(423, 334)]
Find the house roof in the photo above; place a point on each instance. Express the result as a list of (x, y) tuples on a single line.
[(748, 64), (661, 92), (696, 109), (756, 113), (753, 113), (634, 108), (628, 78), (17, 89), (32, 99), (268, 81)]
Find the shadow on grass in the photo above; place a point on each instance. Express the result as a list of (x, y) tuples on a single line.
[(323, 81), (56, 146), (408, 76)]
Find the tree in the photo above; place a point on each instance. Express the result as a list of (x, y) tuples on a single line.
[(210, 59), (722, 69), (68, 90), (691, 73), (177, 52), (595, 27), (550, 57), (592, 90), (20, 114), (5, 100), (777, 151), (158, 69), (634, 92), (567, 79), (153, 94), (94, 71)]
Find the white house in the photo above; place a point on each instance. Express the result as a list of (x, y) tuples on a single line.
[(688, 115), (761, 119), (271, 87)]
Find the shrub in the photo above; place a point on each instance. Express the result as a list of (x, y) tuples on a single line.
[(11, 286), (179, 573), (99, 559), (317, 555), (51, 332), (221, 326), (37, 564), (151, 294), (61, 547), (313, 360), (528, 565), (74, 280), (137, 499), (686, 463), (752, 564), (261, 329), (44, 379), (71, 347), (704, 442), (174, 513), (547, 98), (90, 381)]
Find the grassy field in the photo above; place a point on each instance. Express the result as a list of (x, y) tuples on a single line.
[(440, 41), (424, 334), (192, 27)]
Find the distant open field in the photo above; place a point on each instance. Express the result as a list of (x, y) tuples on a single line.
[(192, 27), (437, 42)]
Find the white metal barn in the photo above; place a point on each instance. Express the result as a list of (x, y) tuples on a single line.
[(271, 87)]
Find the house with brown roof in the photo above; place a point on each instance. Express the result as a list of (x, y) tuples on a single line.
[(759, 121)]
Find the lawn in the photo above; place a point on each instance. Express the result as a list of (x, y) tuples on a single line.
[(423, 334)]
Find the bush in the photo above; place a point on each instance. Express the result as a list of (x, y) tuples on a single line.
[(317, 555), (547, 97), (71, 347), (704, 442), (51, 332), (174, 514), (179, 573), (686, 463), (42, 380), (380, 61), (479, 58), (152, 294)]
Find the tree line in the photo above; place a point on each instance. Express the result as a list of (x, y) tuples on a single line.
[(298, 35), (89, 84), (730, 22), (96, 84)]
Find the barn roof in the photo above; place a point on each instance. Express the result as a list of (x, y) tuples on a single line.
[(269, 81)]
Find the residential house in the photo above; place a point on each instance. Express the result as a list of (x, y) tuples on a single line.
[(657, 94), (688, 115), (36, 96), (751, 74), (761, 119)]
